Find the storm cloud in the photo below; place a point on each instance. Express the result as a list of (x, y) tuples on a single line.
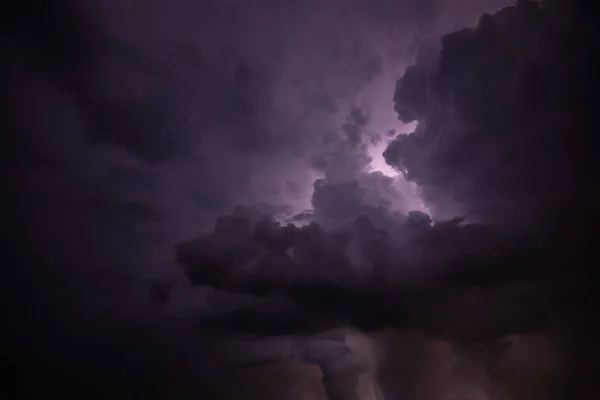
[(484, 150), (132, 126), (276, 168), (498, 136)]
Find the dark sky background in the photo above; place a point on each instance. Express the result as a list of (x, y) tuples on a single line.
[(129, 127)]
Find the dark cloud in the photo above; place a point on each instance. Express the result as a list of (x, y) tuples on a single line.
[(361, 274), (496, 119), (484, 147)]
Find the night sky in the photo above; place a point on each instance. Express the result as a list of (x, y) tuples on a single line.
[(191, 185)]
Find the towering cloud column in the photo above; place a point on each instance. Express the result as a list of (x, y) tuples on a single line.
[(346, 364)]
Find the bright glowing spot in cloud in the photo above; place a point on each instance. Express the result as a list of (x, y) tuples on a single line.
[(383, 127), (378, 163)]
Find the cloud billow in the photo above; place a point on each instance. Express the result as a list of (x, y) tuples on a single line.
[(495, 135), (486, 142)]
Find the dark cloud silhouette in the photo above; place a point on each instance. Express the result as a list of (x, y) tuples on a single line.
[(496, 119), (360, 274)]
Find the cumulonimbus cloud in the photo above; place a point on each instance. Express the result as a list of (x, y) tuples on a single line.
[(477, 120)]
